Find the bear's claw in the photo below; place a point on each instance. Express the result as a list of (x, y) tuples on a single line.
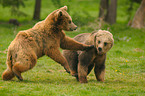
[(89, 47)]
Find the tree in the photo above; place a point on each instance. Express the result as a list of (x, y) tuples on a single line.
[(139, 18), (108, 10), (37, 10), (61, 3), (14, 5), (103, 8)]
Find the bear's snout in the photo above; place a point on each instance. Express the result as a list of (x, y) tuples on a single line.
[(100, 49), (71, 29), (75, 28)]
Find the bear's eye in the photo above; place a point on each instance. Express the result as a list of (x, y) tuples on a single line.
[(69, 22), (99, 42), (105, 43)]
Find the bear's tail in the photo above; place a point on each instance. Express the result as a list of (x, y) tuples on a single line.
[(8, 73)]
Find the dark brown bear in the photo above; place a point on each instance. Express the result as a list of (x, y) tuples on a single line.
[(45, 38), (14, 22), (82, 62)]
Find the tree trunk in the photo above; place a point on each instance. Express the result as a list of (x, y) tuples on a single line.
[(103, 8), (139, 18), (108, 11), (36, 15), (111, 12)]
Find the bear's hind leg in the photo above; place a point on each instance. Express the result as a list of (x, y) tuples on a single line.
[(72, 58), (18, 68), (24, 64)]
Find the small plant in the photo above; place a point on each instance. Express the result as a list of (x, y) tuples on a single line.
[(82, 18)]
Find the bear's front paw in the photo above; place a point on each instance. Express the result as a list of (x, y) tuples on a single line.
[(89, 47), (83, 80), (67, 70), (74, 74)]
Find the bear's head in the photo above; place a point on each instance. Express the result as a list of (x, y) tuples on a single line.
[(61, 19), (103, 41)]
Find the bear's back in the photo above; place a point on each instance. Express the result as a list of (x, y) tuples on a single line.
[(82, 37)]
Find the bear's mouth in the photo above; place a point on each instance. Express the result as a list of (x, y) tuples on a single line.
[(99, 52), (73, 29)]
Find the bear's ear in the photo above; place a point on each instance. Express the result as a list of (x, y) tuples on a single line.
[(59, 13), (95, 38), (64, 8)]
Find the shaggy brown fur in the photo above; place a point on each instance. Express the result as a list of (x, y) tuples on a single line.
[(82, 62), (45, 38)]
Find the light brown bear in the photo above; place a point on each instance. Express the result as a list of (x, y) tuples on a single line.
[(82, 62), (45, 38)]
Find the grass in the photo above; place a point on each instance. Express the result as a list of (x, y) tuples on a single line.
[(125, 64)]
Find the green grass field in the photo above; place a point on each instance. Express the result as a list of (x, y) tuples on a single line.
[(125, 64)]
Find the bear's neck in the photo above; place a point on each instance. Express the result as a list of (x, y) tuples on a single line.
[(51, 25), (90, 40), (52, 28), (48, 26)]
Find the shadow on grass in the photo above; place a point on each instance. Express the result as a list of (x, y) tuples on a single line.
[(46, 81)]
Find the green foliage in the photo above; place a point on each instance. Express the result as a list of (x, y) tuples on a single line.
[(132, 6), (82, 18), (136, 1), (14, 5), (57, 3), (61, 3), (9, 3)]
